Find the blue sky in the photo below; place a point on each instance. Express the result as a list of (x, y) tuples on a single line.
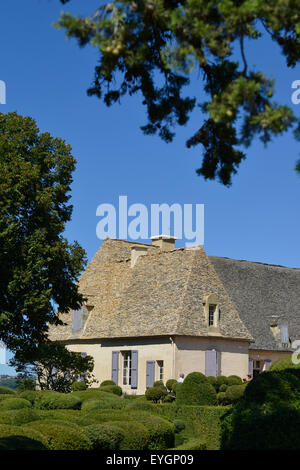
[(257, 218)]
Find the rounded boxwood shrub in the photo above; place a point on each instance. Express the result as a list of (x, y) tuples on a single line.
[(176, 386), (234, 380), (18, 417), (155, 394), (192, 444), (107, 382), (159, 383), (77, 386), (196, 390), (179, 425), (140, 405), (90, 405), (18, 438), (104, 436), (94, 394), (14, 404), (284, 363), (115, 389), (212, 380), (170, 383), (223, 388), (134, 435), (7, 391), (221, 398), (220, 380), (4, 396), (61, 436), (56, 400), (234, 393), (161, 432), (29, 395)]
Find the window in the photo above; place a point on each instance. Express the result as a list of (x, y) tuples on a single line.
[(211, 314), (160, 365), (126, 367), (257, 367)]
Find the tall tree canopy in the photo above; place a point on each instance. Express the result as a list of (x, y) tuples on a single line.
[(38, 266), (152, 46)]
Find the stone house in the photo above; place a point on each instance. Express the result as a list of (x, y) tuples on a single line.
[(153, 312)]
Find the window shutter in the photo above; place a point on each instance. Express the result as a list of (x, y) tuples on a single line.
[(284, 335), (150, 372), (82, 377), (268, 362), (211, 362), (250, 367), (115, 367), (134, 369), (2, 353), (218, 372), (76, 326)]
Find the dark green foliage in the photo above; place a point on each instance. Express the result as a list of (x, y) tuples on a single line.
[(221, 398), (104, 436), (196, 390), (179, 425), (234, 393), (135, 435), (234, 380), (53, 400), (18, 417), (176, 387), (29, 395), (78, 386), (170, 383), (3, 396), (159, 383), (152, 48), (155, 394), (212, 380), (90, 405), (161, 432), (26, 384), (223, 388), (140, 406), (107, 382), (7, 391), (62, 437), (192, 444), (94, 394), (284, 363), (14, 404), (39, 268), (17, 438), (115, 389), (220, 380)]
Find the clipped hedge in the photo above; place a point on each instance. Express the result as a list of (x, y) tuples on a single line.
[(94, 394), (5, 395), (104, 436), (91, 405), (234, 393), (77, 386), (234, 380), (196, 390), (161, 431), (30, 395), (62, 437), (7, 391), (55, 400), (170, 383), (192, 444), (71, 416), (18, 417), (14, 404), (18, 438), (284, 363), (107, 382), (134, 435), (155, 394), (115, 389)]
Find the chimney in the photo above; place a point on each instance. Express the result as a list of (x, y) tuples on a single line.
[(164, 242), (136, 252)]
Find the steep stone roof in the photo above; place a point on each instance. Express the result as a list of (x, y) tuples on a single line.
[(263, 295), (163, 294)]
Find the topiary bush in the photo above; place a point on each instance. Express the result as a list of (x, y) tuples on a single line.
[(14, 404), (161, 432), (134, 435), (7, 391), (170, 383), (94, 394), (155, 394), (90, 405), (61, 436), (4, 396), (234, 393), (284, 363), (104, 436), (176, 387), (115, 389), (221, 398), (234, 380), (29, 395), (18, 438), (223, 388), (212, 380), (192, 444), (55, 400), (107, 382), (77, 386), (18, 417), (220, 380), (179, 425), (196, 390), (140, 405)]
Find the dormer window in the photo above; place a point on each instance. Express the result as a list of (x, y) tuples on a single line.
[(211, 314)]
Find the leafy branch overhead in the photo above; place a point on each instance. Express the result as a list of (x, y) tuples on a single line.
[(151, 47)]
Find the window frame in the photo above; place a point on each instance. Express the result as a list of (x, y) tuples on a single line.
[(126, 368)]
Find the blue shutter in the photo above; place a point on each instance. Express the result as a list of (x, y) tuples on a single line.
[(211, 362), (134, 369), (115, 367), (82, 377), (250, 367), (150, 372), (218, 372), (268, 362), (284, 335), (76, 326)]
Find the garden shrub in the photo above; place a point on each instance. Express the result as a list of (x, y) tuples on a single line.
[(62, 437), (140, 406), (71, 416), (192, 444), (169, 398), (179, 425), (104, 436), (14, 404), (134, 435), (220, 380), (161, 431), (155, 394), (7, 391), (234, 393), (27, 384), (77, 386), (94, 394), (234, 380), (107, 382), (196, 390), (221, 398), (90, 405), (159, 383), (4, 396), (56, 400), (284, 363), (29, 395), (223, 388), (19, 438), (18, 417), (212, 380), (176, 387), (170, 383), (115, 389)]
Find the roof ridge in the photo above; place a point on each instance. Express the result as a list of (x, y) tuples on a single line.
[(253, 262)]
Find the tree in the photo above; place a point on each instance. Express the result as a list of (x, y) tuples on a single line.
[(54, 367), (39, 268), (151, 47)]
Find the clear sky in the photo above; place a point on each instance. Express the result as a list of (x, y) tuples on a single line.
[(257, 218)]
